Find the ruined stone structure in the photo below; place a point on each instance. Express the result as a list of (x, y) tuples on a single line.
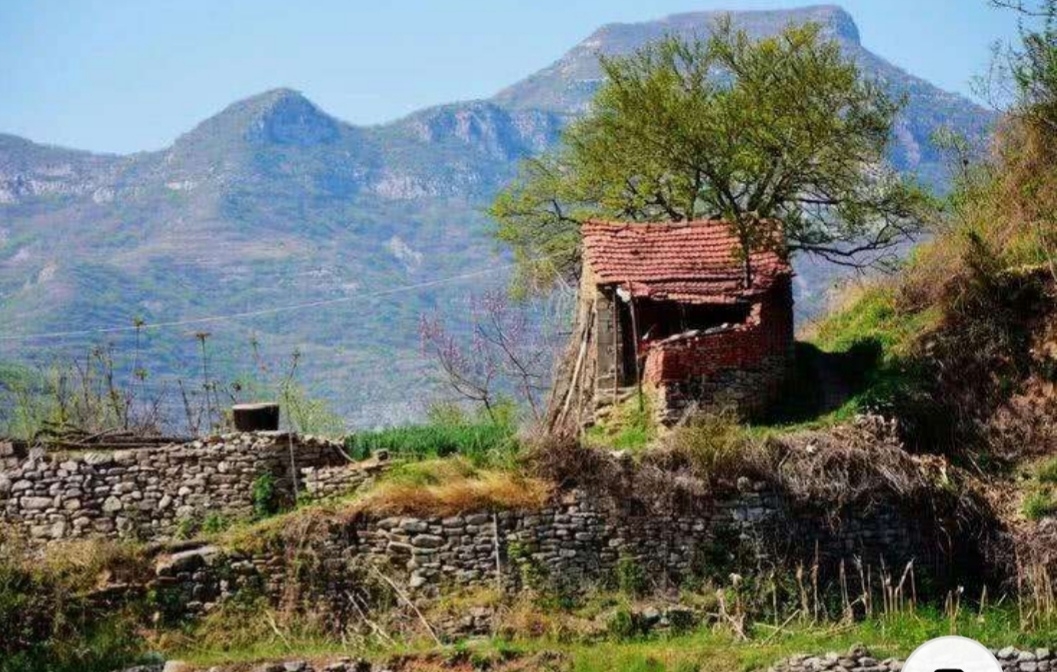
[(674, 310)]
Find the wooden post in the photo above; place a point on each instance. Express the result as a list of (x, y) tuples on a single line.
[(615, 299), (635, 337)]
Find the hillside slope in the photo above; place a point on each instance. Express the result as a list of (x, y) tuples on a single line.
[(273, 202)]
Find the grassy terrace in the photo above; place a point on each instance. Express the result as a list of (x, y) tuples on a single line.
[(706, 648)]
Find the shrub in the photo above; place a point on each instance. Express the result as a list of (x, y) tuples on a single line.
[(625, 624), (630, 577), (264, 496), (215, 523), (716, 447), (186, 528)]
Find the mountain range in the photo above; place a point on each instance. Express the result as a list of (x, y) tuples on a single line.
[(272, 202)]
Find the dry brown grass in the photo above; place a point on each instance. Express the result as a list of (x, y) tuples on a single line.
[(860, 464), (481, 491)]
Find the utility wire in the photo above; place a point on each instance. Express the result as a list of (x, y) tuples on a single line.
[(259, 312)]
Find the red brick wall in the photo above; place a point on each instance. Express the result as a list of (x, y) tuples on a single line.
[(767, 334)]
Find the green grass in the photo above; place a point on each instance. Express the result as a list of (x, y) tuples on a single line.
[(629, 426), (711, 648), (869, 345), (48, 622), (1040, 504), (1048, 471), (1040, 500), (873, 318), (482, 443)]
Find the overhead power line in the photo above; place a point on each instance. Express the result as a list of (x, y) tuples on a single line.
[(258, 312)]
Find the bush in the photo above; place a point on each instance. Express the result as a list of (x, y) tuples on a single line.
[(625, 624), (215, 523), (630, 577), (716, 447), (265, 496)]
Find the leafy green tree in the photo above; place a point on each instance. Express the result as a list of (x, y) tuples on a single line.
[(782, 137)]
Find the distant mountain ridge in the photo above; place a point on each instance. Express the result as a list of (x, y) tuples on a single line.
[(272, 201)]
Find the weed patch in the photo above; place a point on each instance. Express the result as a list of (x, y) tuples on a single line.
[(452, 486)]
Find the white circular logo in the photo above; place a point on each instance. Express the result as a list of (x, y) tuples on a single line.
[(951, 654)]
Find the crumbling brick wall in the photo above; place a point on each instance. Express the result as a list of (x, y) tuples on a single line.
[(742, 366)]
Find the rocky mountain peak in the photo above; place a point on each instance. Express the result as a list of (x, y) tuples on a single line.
[(288, 118), (568, 84), (278, 116)]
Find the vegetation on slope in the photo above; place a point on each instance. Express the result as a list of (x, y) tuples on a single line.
[(55, 618)]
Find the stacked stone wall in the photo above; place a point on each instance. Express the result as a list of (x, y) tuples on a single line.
[(579, 540), (148, 493)]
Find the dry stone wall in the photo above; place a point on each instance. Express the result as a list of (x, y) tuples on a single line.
[(858, 659), (148, 493), (579, 540)]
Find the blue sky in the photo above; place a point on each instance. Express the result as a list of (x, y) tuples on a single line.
[(127, 75)]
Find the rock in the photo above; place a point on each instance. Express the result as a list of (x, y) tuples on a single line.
[(176, 666), (98, 459), (427, 541), (1043, 654), (186, 561), (112, 505), (651, 616), (413, 525), (417, 581), (478, 519), (295, 666), (36, 503), (399, 548), (1006, 654)]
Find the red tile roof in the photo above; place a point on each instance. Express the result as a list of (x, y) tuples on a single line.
[(693, 262)]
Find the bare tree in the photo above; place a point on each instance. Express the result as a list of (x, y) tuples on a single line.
[(504, 351)]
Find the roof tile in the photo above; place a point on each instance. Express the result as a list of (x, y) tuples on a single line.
[(692, 262)]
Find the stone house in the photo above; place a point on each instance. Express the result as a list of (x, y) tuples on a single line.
[(673, 310)]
